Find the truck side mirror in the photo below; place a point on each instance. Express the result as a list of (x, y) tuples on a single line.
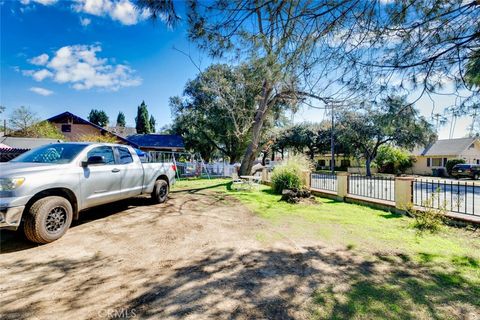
[(92, 160)]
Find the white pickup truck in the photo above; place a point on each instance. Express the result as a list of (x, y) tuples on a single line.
[(47, 187)]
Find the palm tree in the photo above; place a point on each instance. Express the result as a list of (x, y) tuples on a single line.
[(159, 9)]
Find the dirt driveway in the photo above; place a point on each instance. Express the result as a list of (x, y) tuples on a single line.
[(193, 257)]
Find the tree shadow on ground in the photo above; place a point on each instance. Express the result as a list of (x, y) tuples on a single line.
[(246, 284), (276, 284), (392, 215)]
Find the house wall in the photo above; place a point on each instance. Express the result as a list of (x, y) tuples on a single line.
[(420, 165), (78, 130)]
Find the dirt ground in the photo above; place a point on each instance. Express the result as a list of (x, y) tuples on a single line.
[(195, 257)]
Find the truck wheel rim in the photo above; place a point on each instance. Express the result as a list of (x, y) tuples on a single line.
[(55, 219), (162, 192)]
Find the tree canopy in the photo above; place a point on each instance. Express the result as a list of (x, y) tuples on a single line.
[(362, 51), (25, 123), (396, 122), (98, 117), (217, 108), (121, 122), (152, 124)]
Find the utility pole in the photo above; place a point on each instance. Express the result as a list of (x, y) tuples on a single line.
[(333, 104), (332, 142)]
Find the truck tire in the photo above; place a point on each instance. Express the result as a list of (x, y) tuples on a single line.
[(48, 219), (160, 191)]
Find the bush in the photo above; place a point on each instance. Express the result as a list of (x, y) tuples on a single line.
[(98, 138), (429, 219), (451, 163), (393, 160), (288, 175)]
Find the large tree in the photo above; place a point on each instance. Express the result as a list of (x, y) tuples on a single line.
[(396, 122), (142, 121), (289, 43), (98, 117), (321, 47), (217, 108)]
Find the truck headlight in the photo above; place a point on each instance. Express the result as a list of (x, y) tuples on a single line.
[(8, 184)]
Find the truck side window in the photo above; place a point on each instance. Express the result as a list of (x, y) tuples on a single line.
[(125, 156), (106, 152)]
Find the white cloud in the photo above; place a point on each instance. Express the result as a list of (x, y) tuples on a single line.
[(85, 21), (40, 60), (120, 10), (39, 75), (44, 2), (41, 91), (80, 67)]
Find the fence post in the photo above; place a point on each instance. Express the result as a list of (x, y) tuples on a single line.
[(342, 184), (403, 192), (264, 174), (306, 178)]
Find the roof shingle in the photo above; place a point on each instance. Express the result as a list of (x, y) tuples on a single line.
[(447, 147)]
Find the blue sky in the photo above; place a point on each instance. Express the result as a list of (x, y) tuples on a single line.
[(155, 71), (83, 54)]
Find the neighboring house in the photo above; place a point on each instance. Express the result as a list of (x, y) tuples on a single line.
[(158, 142), (74, 128), (12, 147), (436, 155), (123, 131), (25, 143), (322, 161)]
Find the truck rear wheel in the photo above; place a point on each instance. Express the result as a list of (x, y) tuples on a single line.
[(160, 191), (48, 219)]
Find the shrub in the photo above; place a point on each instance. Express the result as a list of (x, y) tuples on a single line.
[(288, 175), (429, 219), (451, 163), (393, 160), (98, 138)]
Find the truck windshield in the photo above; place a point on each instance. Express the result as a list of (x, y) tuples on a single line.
[(51, 153)]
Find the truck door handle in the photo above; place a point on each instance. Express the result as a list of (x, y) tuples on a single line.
[(115, 170)]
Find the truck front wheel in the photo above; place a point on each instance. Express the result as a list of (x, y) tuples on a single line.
[(48, 219), (160, 191)]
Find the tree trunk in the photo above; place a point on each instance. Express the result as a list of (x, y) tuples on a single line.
[(368, 163), (252, 150), (273, 155), (264, 157)]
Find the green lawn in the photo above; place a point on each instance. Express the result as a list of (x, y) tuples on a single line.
[(426, 275)]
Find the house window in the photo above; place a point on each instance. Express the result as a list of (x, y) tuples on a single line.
[(321, 163), (437, 162), (345, 163), (66, 128)]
